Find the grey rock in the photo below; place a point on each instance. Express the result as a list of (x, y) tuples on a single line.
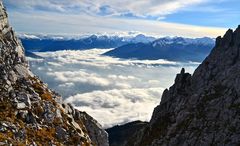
[(30, 107), (25, 98), (61, 133), (3, 128), (22, 114), (203, 108), (23, 71), (95, 130), (20, 134), (21, 105), (12, 77), (30, 118), (58, 114)]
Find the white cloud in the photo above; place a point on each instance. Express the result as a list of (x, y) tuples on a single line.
[(112, 90), (153, 82), (141, 8), (115, 77), (118, 106), (86, 24), (80, 77), (94, 58), (68, 85)]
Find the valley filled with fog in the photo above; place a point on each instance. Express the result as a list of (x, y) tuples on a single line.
[(112, 90)]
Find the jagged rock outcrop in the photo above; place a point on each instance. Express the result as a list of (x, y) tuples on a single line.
[(32, 114), (203, 108), (95, 131)]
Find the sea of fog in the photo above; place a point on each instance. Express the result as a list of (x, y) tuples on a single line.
[(113, 91)]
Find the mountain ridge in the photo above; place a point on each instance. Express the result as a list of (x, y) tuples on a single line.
[(203, 108), (45, 43), (31, 113), (173, 49)]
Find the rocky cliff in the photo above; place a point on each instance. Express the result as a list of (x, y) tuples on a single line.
[(32, 114), (203, 108)]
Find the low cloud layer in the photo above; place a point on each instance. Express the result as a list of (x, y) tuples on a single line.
[(118, 106), (112, 90)]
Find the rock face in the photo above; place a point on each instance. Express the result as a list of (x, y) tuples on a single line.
[(119, 135), (203, 108), (32, 114)]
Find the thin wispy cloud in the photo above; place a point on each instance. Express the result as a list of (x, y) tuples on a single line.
[(157, 17), (86, 24), (141, 8)]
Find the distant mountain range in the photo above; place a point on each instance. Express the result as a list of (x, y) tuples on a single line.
[(174, 49), (128, 47), (44, 43)]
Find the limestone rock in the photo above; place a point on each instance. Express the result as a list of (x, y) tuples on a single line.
[(95, 130), (30, 113), (21, 105), (203, 108)]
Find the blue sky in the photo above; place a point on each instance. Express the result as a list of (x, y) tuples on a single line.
[(192, 18), (225, 13)]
